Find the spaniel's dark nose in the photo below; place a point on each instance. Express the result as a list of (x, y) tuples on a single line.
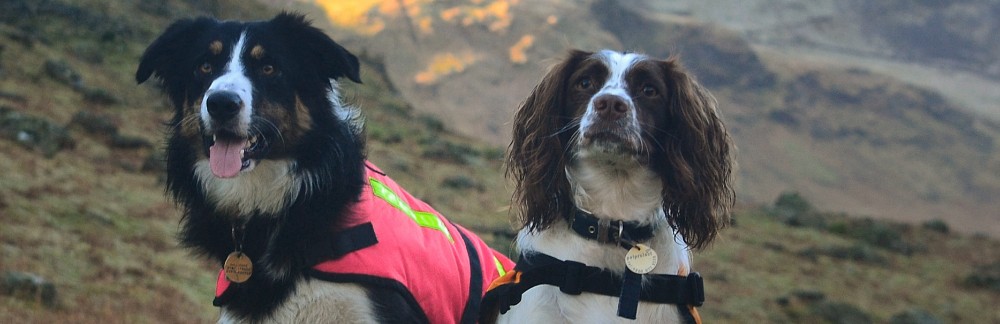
[(223, 105), (610, 107)]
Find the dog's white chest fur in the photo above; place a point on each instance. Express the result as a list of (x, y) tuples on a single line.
[(267, 189), (629, 197), (547, 305), (317, 301)]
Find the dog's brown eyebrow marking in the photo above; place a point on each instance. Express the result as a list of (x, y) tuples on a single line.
[(257, 52), (215, 47)]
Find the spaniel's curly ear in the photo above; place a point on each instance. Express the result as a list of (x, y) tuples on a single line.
[(536, 158), (696, 162)]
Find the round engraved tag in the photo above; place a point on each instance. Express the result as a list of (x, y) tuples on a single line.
[(641, 259), (238, 267)]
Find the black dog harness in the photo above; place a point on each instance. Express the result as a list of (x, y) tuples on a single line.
[(573, 277)]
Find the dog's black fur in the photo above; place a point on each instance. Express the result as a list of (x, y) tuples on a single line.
[(328, 151)]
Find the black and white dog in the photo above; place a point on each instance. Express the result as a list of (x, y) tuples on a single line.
[(621, 163), (269, 167)]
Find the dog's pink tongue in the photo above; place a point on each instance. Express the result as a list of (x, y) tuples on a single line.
[(224, 157)]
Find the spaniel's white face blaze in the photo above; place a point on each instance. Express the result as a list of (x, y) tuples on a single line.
[(621, 101), (609, 124)]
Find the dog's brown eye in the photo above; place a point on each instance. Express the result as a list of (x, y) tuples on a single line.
[(267, 69), (649, 91), (585, 84), (205, 68)]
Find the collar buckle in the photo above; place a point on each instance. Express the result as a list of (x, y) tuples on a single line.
[(603, 227), (618, 237), (606, 231)]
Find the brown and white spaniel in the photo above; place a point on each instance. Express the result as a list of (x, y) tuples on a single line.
[(615, 156)]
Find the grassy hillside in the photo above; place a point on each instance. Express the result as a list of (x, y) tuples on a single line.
[(81, 200), (82, 204), (788, 262), (81, 194)]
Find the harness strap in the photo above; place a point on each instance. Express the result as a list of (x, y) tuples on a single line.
[(338, 245), (341, 243), (475, 283), (574, 278)]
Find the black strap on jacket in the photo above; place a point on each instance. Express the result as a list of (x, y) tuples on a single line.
[(341, 243), (471, 309), (574, 278), (338, 245)]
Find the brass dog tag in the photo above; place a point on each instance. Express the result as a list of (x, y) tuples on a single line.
[(641, 259), (238, 267)]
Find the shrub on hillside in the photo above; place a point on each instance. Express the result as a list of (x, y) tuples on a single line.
[(985, 277), (462, 182), (937, 225), (794, 210), (880, 234), (914, 316), (837, 312), (808, 306), (792, 203), (28, 286), (35, 133), (431, 123), (384, 134), (443, 150), (857, 252), (101, 125)]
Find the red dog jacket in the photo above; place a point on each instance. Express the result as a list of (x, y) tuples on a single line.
[(397, 241)]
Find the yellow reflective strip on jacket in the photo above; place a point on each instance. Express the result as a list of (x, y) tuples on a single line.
[(423, 219), (499, 265), (429, 220)]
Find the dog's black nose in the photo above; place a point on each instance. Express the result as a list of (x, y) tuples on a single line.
[(223, 105), (610, 107)]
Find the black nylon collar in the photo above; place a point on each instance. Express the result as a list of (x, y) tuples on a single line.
[(607, 231)]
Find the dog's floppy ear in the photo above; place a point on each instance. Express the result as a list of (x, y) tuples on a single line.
[(334, 61), (536, 158), (164, 52), (696, 159)]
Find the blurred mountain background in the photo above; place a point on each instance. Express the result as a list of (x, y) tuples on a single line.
[(867, 135), (886, 109)]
